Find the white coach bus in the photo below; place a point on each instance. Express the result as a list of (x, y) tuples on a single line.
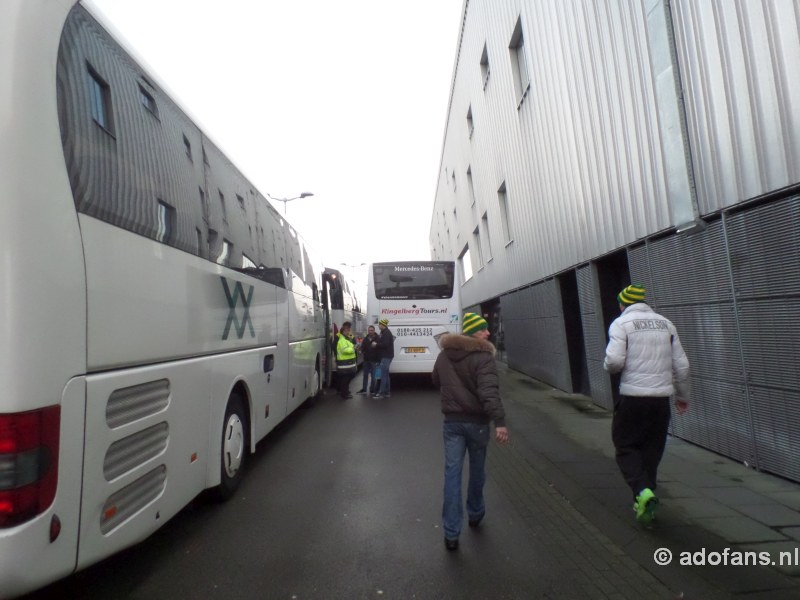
[(421, 300), (159, 317), (343, 305)]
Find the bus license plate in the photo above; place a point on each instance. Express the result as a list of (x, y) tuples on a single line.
[(413, 350)]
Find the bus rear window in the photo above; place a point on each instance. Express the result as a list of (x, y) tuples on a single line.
[(413, 281)]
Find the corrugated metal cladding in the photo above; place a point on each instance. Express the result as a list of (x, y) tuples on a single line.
[(533, 325), (150, 151), (594, 336), (740, 65), (578, 179), (580, 156)]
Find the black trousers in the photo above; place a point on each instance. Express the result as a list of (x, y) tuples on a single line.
[(639, 431), (343, 379)]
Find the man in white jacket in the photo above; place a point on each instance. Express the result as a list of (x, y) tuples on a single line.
[(644, 347)]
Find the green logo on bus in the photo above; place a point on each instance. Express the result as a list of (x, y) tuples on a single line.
[(233, 302)]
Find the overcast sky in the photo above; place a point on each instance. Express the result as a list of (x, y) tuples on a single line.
[(345, 99)]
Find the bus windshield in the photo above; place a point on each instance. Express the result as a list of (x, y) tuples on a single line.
[(413, 280)]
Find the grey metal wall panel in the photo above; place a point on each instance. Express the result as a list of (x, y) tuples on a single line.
[(765, 249), (716, 420), (689, 269), (740, 65), (765, 257), (776, 424), (535, 339), (691, 286), (594, 336), (639, 267)]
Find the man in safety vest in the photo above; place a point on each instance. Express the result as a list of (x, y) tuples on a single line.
[(346, 366)]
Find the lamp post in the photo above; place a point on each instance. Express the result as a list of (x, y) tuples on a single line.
[(285, 200)]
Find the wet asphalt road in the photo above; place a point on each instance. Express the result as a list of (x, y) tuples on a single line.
[(342, 500)]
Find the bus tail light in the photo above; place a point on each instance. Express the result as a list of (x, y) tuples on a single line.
[(28, 463)]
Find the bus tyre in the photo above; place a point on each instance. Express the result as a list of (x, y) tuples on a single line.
[(234, 449)]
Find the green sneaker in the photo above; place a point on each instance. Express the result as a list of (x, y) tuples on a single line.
[(645, 506)]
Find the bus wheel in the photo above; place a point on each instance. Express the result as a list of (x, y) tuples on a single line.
[(316, 387), (234, 448), (317, 382)]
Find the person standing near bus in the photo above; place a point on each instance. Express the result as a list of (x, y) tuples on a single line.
[(346, 366), (644, 347), (466, 375), (371, 362), (385, 346)]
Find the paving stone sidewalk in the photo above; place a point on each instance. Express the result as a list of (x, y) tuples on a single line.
[(560, 474)]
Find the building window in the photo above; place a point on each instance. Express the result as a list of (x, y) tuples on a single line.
[(470, 186), (453, 176), (100, 98), (519, 64), (148, 101), (485, 66), (465, 265), (476, 243), (470, 124), (203, 207), (222, 206), (225, 255), (241, 201), (247, 262), (502, 198), (487, 247), (187, 146), (165, 229), (199, 241)]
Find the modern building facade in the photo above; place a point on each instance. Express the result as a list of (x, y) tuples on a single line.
[(590, 144)]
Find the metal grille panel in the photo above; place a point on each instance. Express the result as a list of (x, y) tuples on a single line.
[(776, 420), (535, 338), (765, 250), (128, 501), (594, 338), (137, 402), (133, 451)]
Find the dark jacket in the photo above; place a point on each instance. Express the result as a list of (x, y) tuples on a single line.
[(466, 374), (386, 344), (370, 352)]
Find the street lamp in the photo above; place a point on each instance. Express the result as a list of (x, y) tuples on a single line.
[(285, 200)]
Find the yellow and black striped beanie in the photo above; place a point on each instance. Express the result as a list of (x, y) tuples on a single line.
[(384, 322), (631, 295), (473, 323)]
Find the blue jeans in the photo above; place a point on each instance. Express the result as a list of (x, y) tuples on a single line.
[(460, 438), (386, 384), (367, 369)]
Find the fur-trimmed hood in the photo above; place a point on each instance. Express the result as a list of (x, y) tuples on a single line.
[(458, 346)]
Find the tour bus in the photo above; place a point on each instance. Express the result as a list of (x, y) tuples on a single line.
[(159, 316), (421, 301), (344, 305)]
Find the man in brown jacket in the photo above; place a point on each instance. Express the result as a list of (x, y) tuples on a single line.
[(466, 374)]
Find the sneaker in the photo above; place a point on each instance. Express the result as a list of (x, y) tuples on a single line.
[(474, 522), (378, 396), (645, 506), (451, 544)]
